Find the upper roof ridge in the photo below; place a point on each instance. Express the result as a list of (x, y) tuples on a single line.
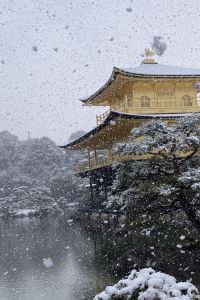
[(161, 69)]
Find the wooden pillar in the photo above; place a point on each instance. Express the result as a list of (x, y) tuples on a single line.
[(95, 154), (91, 190), (175, 99), (126, 103), (97, 120), (95, 157), (154, 96), (89, 158), (110, 154)]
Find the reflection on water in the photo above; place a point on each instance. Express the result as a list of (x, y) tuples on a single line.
[(75, 274)]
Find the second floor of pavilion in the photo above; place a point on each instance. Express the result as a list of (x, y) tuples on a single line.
[(149, 88)]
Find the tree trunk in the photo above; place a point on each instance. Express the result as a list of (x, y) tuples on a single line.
[(190, 211), (176, 167)]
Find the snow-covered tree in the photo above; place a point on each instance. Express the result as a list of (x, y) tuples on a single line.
[(35, 174), (170, 180)]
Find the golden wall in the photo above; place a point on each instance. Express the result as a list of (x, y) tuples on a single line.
[(159, 96)]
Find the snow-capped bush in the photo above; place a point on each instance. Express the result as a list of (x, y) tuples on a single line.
[(147, 284)]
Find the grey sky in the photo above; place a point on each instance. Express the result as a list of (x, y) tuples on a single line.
[(54, 52)]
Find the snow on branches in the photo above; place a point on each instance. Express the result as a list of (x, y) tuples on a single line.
[(170, 180), (180, 139), (151, 285)]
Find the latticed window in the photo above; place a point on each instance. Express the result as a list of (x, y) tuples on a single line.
[(186, 100), (130, 102), (145, 101), (198, 98)]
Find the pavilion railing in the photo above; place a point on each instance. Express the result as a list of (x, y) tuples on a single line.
[(107, 161), (111, 160), (155, 106), (102, 117)]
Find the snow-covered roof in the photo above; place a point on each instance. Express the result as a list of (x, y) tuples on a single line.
[(146, 71), (115, 114), (161, 69)]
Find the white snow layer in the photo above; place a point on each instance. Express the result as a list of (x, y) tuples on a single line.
[(155, 69), (155, 115), (151, 285), (161, 69), (24, 212)]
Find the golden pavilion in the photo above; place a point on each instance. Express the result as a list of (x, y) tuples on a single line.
[(134, 95)]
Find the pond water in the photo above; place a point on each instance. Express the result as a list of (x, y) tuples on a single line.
[(75, 273)]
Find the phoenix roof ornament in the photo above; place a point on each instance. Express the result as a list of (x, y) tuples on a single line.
[(148, 57)]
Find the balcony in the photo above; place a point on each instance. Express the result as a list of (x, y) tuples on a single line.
[(155, 106), (100, 162), (93, 164), (102, 117)]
